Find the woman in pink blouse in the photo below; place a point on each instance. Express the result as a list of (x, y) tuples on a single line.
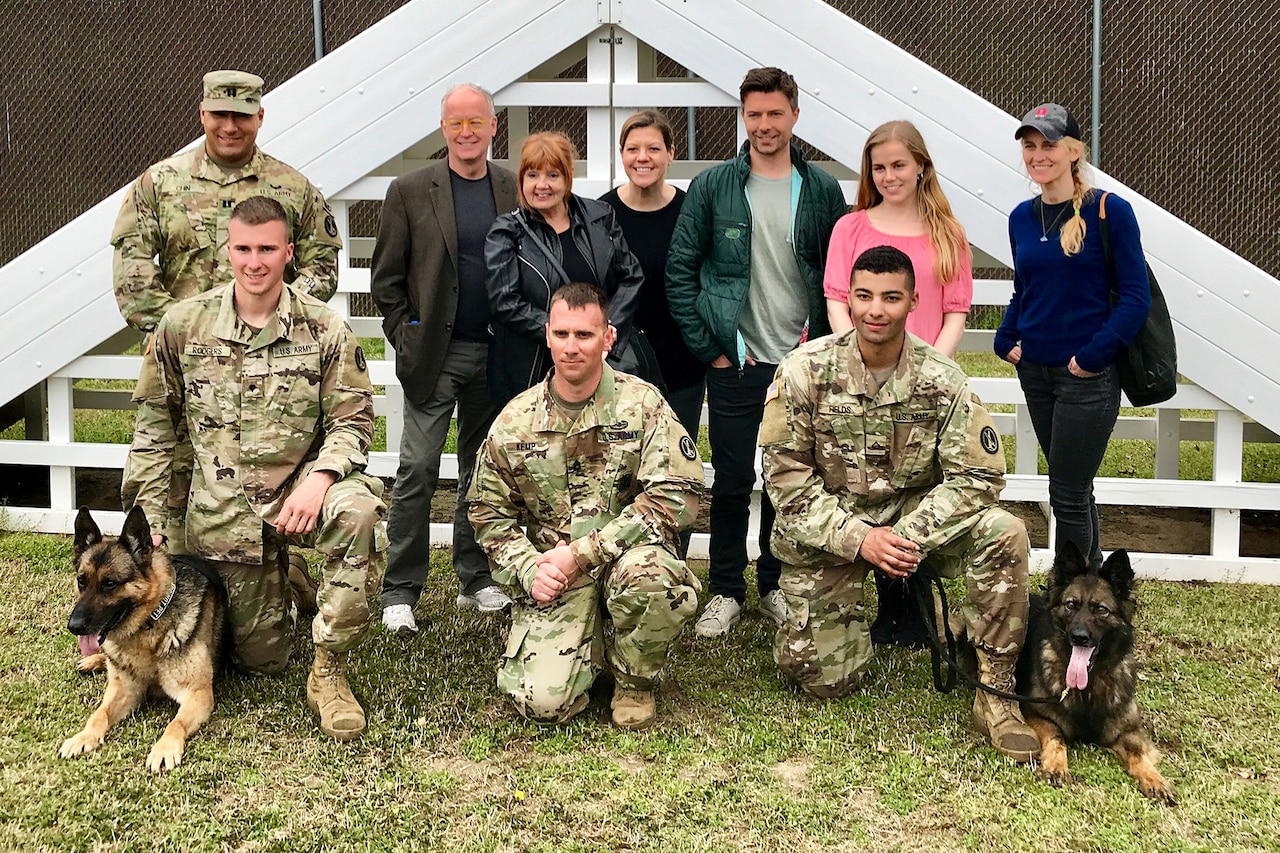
[(901, 204)]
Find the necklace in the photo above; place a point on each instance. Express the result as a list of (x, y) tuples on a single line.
[(1044, 232)]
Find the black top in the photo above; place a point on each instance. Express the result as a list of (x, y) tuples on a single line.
[(571, 259), (473, 214), (648, 234)]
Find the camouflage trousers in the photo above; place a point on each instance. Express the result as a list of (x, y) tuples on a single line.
[(353, 542), (555, 651), (825, 644)]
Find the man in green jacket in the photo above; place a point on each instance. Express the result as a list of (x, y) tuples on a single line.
[(744, 280)]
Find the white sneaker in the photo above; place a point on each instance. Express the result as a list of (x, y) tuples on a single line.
[(718, 619), (398, 619), (774, 605), (491, 599)]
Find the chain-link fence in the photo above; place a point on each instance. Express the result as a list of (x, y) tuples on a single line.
[(87, 100)]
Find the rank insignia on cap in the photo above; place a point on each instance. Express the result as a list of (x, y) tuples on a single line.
[(687, 448)]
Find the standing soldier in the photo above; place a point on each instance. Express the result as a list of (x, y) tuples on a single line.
[(170, 237), (274, 393), (596, 465), (878, 455), (744, 281), (429, 282)]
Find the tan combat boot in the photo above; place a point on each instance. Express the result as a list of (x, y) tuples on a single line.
[(1001, 719), (303, 586), (329, 695), (633, 709)]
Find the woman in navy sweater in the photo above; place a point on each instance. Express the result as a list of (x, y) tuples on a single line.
[(1060, 328)]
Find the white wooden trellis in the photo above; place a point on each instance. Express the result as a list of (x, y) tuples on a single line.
[(357, 118)]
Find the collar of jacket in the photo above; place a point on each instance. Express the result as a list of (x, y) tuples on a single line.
[(743, 161), (599, 412), (579, 214), (206, 168), (897, 388), (229, 326)]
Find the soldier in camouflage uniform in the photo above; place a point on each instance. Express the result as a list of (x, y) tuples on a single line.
[(170, 238), (877, 455), (274, 392), (597, 467)]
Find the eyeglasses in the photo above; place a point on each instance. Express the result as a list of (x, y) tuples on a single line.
[(455, 125)]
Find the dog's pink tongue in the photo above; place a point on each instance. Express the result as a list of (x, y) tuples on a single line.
[(1078, 669), (88, 644)]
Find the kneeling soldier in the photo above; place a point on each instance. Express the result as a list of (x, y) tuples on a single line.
[(878, 455), (605, 478), (273, 391)]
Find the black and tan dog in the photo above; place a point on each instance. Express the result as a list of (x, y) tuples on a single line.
[(159, 624), (1078, 657)]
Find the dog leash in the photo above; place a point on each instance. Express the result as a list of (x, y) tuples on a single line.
[(946, 672), (205, 568)]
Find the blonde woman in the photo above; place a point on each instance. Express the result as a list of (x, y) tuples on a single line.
[(1060, 328), (900, 204)]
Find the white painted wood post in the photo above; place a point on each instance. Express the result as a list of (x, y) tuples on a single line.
[(1168, 443), (62, 424), (1228, 467)]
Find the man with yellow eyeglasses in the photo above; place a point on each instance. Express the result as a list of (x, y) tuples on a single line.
[(428, 278)]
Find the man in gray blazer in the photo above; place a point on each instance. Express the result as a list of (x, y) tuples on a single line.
[(429, 280)]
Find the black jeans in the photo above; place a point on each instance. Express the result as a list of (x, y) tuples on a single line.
[(735, 407), (687, 404), (1073, 420)]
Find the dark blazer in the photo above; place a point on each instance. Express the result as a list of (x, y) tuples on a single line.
[(415, 269)]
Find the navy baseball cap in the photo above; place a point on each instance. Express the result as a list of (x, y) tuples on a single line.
[(1053, 120)]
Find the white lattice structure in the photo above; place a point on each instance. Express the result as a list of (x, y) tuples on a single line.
[(369, 111)]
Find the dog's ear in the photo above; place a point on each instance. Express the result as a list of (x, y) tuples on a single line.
[(87, 533), (1118, 572), (136, 537), (1068, 564)]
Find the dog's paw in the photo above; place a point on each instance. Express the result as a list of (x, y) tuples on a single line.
[(165, 755), (1158, 789), (1054, 775), (81, 744), (92, 664)]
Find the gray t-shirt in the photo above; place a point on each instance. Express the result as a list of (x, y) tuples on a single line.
[(776, 309)]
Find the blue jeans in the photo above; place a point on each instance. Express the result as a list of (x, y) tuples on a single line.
[(735, 407), (1073, 419), (462, 381)]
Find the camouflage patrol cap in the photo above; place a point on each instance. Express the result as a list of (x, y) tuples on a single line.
[(233, 92)]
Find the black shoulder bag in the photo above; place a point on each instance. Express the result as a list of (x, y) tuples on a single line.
[(1148, 366)]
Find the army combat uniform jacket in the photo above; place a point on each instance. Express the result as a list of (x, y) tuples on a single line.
[(839, 458), (177, 212), (258, 407), (622, 474)]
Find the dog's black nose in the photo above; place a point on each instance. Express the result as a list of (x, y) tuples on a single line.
[(1080, 637)]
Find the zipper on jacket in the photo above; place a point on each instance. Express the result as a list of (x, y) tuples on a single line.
[(531, 381)]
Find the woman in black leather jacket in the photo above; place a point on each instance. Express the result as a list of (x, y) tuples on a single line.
[(552, 239)]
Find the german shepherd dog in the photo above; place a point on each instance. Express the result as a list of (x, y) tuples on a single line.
[(160, 625), (1078, 658)]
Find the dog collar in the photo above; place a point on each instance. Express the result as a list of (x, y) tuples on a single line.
[(164, 605)]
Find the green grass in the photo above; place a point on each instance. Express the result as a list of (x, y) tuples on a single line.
[(738, 760)]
